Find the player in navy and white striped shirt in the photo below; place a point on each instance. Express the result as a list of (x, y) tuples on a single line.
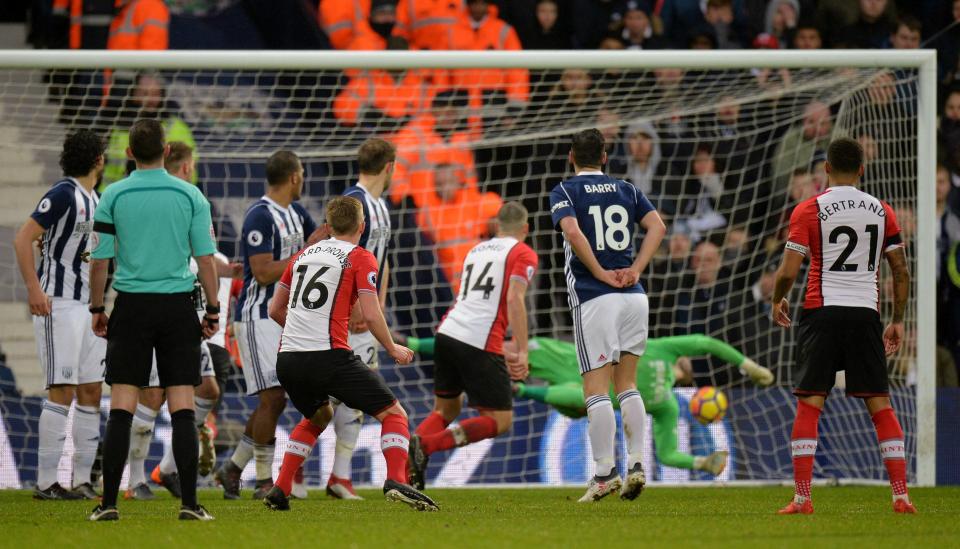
[(274, 229), (59, 294), (376, 160)]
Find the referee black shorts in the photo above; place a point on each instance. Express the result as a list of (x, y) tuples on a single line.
[(144, 323), (459, 368), (310, 378), (848, 339)]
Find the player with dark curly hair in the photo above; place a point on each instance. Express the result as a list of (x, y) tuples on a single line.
[(58, 293)]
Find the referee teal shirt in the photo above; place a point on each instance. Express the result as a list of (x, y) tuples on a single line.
[(152, 223)]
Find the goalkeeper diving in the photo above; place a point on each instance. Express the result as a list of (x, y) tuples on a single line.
[(664, 362)]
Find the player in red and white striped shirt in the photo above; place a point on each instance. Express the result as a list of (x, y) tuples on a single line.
[(312, 302), (845, 232), (469, 344)]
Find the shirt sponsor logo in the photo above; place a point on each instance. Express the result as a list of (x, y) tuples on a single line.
[(560, 205), (83, 227), (255, 238)]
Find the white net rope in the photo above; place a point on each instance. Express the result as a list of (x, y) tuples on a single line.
[(723, 154)]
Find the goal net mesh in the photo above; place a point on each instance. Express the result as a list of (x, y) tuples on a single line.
[(724, 154)]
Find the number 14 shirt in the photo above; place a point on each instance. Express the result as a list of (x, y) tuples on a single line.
[(325, 280), (845, 232)]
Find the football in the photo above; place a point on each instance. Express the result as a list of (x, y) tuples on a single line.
[(708, 405)]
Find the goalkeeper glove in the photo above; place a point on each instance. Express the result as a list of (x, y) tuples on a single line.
[(758, 374)]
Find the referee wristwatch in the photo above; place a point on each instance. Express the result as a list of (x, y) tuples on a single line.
[(98, 310)]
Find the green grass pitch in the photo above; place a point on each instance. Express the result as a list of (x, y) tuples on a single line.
[(533, 518)]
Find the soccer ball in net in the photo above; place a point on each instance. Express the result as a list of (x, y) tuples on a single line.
[(708, 404)]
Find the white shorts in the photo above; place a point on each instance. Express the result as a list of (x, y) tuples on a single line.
[(259, 342), (366, 347), (69, 352), (609, 325), (206, 366)]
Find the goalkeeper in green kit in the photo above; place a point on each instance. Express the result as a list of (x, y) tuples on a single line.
[(664, 361)]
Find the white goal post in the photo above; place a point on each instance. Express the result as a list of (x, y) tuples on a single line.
[(922, 61)]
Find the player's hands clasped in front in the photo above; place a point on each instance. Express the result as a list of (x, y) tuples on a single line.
[(401, 354), (210, 325), (893, 338), (781, 313), (40, 303)]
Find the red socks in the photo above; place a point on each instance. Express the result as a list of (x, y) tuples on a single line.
[(301, 442), (469, 430), (394, 442), (433, 423), (892, 448), (803, 447)]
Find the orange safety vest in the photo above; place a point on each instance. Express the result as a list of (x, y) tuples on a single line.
[(493, 34), (408, 96), (89, 21), (428, 24), (140, 25), (419, 149), (339, 20)]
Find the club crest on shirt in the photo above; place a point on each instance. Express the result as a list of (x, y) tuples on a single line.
[(67, 373)]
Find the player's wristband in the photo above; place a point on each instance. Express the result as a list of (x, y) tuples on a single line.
[(213, 309), (98, 310), (211, 321)]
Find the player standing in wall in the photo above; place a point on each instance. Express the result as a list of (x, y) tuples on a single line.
[(313, 303), (845, 232), (598, 216), (469, 346), (376, 161), (273, 231), (58, 293)]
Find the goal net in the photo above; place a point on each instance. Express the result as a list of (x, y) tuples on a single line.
[(725, 145)]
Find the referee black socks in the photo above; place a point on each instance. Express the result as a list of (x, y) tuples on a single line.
[(186, 449), (116, 444)]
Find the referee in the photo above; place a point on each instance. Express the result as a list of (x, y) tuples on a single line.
[(151, 223)]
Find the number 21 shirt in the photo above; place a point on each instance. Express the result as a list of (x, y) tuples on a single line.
[(607, 210), (845, 232), (325, 280)]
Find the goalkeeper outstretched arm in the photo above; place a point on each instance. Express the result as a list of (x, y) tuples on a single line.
[(699, 345)]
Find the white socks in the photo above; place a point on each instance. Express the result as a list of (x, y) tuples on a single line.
[(602, 430), (53, 431), (141, 434), (243, 453), (263, 455), (86, 436), (202, 407), (346, 424), (634, 416)]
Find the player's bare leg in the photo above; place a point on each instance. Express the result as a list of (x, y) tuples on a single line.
[(634, 416), (86, 437), (892, 449), (53, 433), (602, 430), (803, 448), (141, 435), (269, 407), (228, 475)]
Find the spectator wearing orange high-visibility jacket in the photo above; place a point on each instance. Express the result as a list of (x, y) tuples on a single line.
[(387, 99), (428, 24), (339, 20), (81, 23), (437, 136), (140, 25), (374, 32), (481, 28), (456, 216)]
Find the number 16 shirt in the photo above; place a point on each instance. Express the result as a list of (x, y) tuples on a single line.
[(325, 280), (607, 210), (845, 232)]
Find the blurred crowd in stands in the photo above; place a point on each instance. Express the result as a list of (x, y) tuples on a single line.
[(725, 180)]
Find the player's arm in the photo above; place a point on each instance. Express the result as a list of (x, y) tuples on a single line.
[(893, 334), (210, 281), (277, 308), (384, 282), (517, 318), (40, 303), (696, 345), (365, 277), (581, 246), (786, 276), (655, 230), (265, 269)]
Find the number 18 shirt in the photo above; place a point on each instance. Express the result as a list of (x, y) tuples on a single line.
[(845, 232), (607, 211), (325, 280)]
